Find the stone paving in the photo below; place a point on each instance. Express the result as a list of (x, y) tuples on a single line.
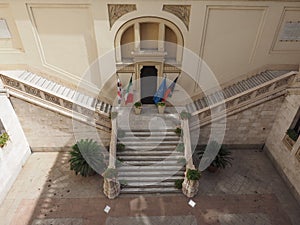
[(248, 193)]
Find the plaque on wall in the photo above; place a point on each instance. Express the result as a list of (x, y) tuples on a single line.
[(290, 31)]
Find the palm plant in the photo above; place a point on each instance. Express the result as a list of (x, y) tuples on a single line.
[(86, 158), (223, 157)]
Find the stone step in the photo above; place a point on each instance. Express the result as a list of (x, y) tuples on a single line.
[(150, 179), (150, 158), (150, 133), (150, 138), (147, 148), (155, 190), (149, 163), (150, 143), (149, 155), (152, 167), (162, 174), (144, 184)]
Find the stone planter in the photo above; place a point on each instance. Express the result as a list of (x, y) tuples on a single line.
[(111, 188), (190, 187), (161, 109), (137, 110)]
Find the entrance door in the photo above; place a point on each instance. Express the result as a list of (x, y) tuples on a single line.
[(148, 84)]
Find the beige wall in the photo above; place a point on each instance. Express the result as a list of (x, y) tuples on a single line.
[(63, 37)]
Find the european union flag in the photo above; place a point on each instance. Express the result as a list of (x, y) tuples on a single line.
[(159, 94)]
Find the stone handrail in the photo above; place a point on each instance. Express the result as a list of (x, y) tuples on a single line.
[(52, 102), (187, 144), (266, 91), (113, 144)]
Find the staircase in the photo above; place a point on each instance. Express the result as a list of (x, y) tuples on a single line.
[(235, 89), (37, 82), (149, 162)]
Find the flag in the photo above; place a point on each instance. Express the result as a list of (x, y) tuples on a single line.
[(129, 93), (169, 91), (160, 92), (119, 88)]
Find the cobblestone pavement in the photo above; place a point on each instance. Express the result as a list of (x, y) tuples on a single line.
[(248, 193)]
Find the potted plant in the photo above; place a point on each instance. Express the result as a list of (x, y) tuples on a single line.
[(221, 160), (120, 147), (193, 175), (137, 108), (161, 107), (4, 137), (85, 153), (178, 131), (178, 183)]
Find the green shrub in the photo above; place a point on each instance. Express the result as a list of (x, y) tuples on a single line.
[(161, 104), (138, 104), (4, 139), (120, 147), (110, 173), (222, 159), (193, 174), (83, 154), (184, 115), (178, 183), (292, 134), (178, 131), (180, 147)]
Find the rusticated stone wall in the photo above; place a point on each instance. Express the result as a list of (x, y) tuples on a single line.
[(285, 159), (249, 128), (50, 131)]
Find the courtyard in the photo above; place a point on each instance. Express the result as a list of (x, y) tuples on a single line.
[(251, 192)]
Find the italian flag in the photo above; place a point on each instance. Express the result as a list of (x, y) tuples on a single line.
[(129, 93)]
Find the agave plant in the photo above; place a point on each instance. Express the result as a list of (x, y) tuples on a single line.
[(223, 157), (87, 158)]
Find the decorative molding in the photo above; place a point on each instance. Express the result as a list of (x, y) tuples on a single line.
[(115, 11), (181, 11), (67, 76), (280, 26)]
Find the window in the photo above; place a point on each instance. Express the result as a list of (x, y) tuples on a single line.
[(293, 132)]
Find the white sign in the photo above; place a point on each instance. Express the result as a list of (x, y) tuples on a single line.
[(290, 31)]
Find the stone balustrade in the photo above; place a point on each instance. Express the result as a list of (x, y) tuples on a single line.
[(254, 96), (92, 116)]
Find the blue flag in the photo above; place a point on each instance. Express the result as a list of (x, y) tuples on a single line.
[(158, 96)]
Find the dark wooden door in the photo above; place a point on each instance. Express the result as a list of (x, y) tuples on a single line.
[(148, 84)]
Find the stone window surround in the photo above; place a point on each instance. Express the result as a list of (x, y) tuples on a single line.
[(295, 148), (162, 23)]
